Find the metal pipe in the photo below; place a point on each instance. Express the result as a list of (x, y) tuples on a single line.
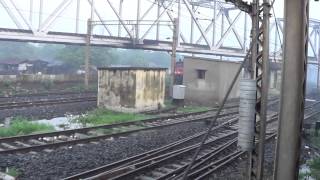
[(120, 15), (192, 26), (178, 24), (158, 23), (77, 16), (245, 33), (292, 90), (138, 20), (40, 13), (31, 12), (214, 23)]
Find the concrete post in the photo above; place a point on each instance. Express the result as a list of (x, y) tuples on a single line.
[(292, 90), (7, 122), (87, 54), (174, 53)]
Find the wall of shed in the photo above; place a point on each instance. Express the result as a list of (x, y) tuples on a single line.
[(116, 89), (211, 90), (150, 88), (133, 90)]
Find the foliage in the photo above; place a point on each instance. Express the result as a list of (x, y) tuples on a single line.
[(7, 84), (16, 50), (303, 176), (74, 54), (315, 168), (13, 172), (103, 116), (22, 126), (48, 85)]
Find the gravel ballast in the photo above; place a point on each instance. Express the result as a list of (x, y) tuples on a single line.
[(65, 162)]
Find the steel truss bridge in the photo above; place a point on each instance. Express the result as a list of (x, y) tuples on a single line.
[(211, 27)]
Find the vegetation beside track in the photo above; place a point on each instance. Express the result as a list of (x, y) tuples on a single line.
[(22, 126), (314, 170), (103, 116), (13, 172)]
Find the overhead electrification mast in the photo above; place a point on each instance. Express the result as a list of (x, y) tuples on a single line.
[(258, 69)]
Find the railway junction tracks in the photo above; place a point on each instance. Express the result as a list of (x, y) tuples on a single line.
[(37, 95), (170, 161), (24, 104), (52, 140)]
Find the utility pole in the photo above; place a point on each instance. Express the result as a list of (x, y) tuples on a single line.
[(292, 89), (87, 54), (174, 51), (258, 69), (262, 77)]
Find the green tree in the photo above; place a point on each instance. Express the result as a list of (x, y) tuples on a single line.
[(16, 50)]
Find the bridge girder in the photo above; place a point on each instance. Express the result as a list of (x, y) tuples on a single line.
[(211, 27)]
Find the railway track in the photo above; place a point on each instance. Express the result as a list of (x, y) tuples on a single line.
[(165, 153), (24, 104), (170, 161), (52, 140), (47, 94)]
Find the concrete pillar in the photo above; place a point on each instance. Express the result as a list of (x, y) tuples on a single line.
[(292, 90)]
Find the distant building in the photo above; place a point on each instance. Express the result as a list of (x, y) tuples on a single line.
[(14, 66), (33, 67), (131, 89), (207, 80), (9, 66)]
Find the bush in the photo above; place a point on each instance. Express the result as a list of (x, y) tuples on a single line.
[(13, 172), (103, 116), (315, 168), (48, 85), (22, 126)]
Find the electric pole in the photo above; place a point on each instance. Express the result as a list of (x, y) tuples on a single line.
[(258, 69), (174, 51), (87, 54), (292, 89)]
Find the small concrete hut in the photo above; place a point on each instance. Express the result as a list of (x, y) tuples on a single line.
[(131, 89)]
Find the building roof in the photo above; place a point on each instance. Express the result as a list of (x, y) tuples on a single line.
[(131, 68), (34, 61)]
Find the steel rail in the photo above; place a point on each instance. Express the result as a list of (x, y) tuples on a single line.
[(214, 166), (151, 163), (46, 94), (218, 164), (144, 156), (59, 143), (135, 170), (13, 105)]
